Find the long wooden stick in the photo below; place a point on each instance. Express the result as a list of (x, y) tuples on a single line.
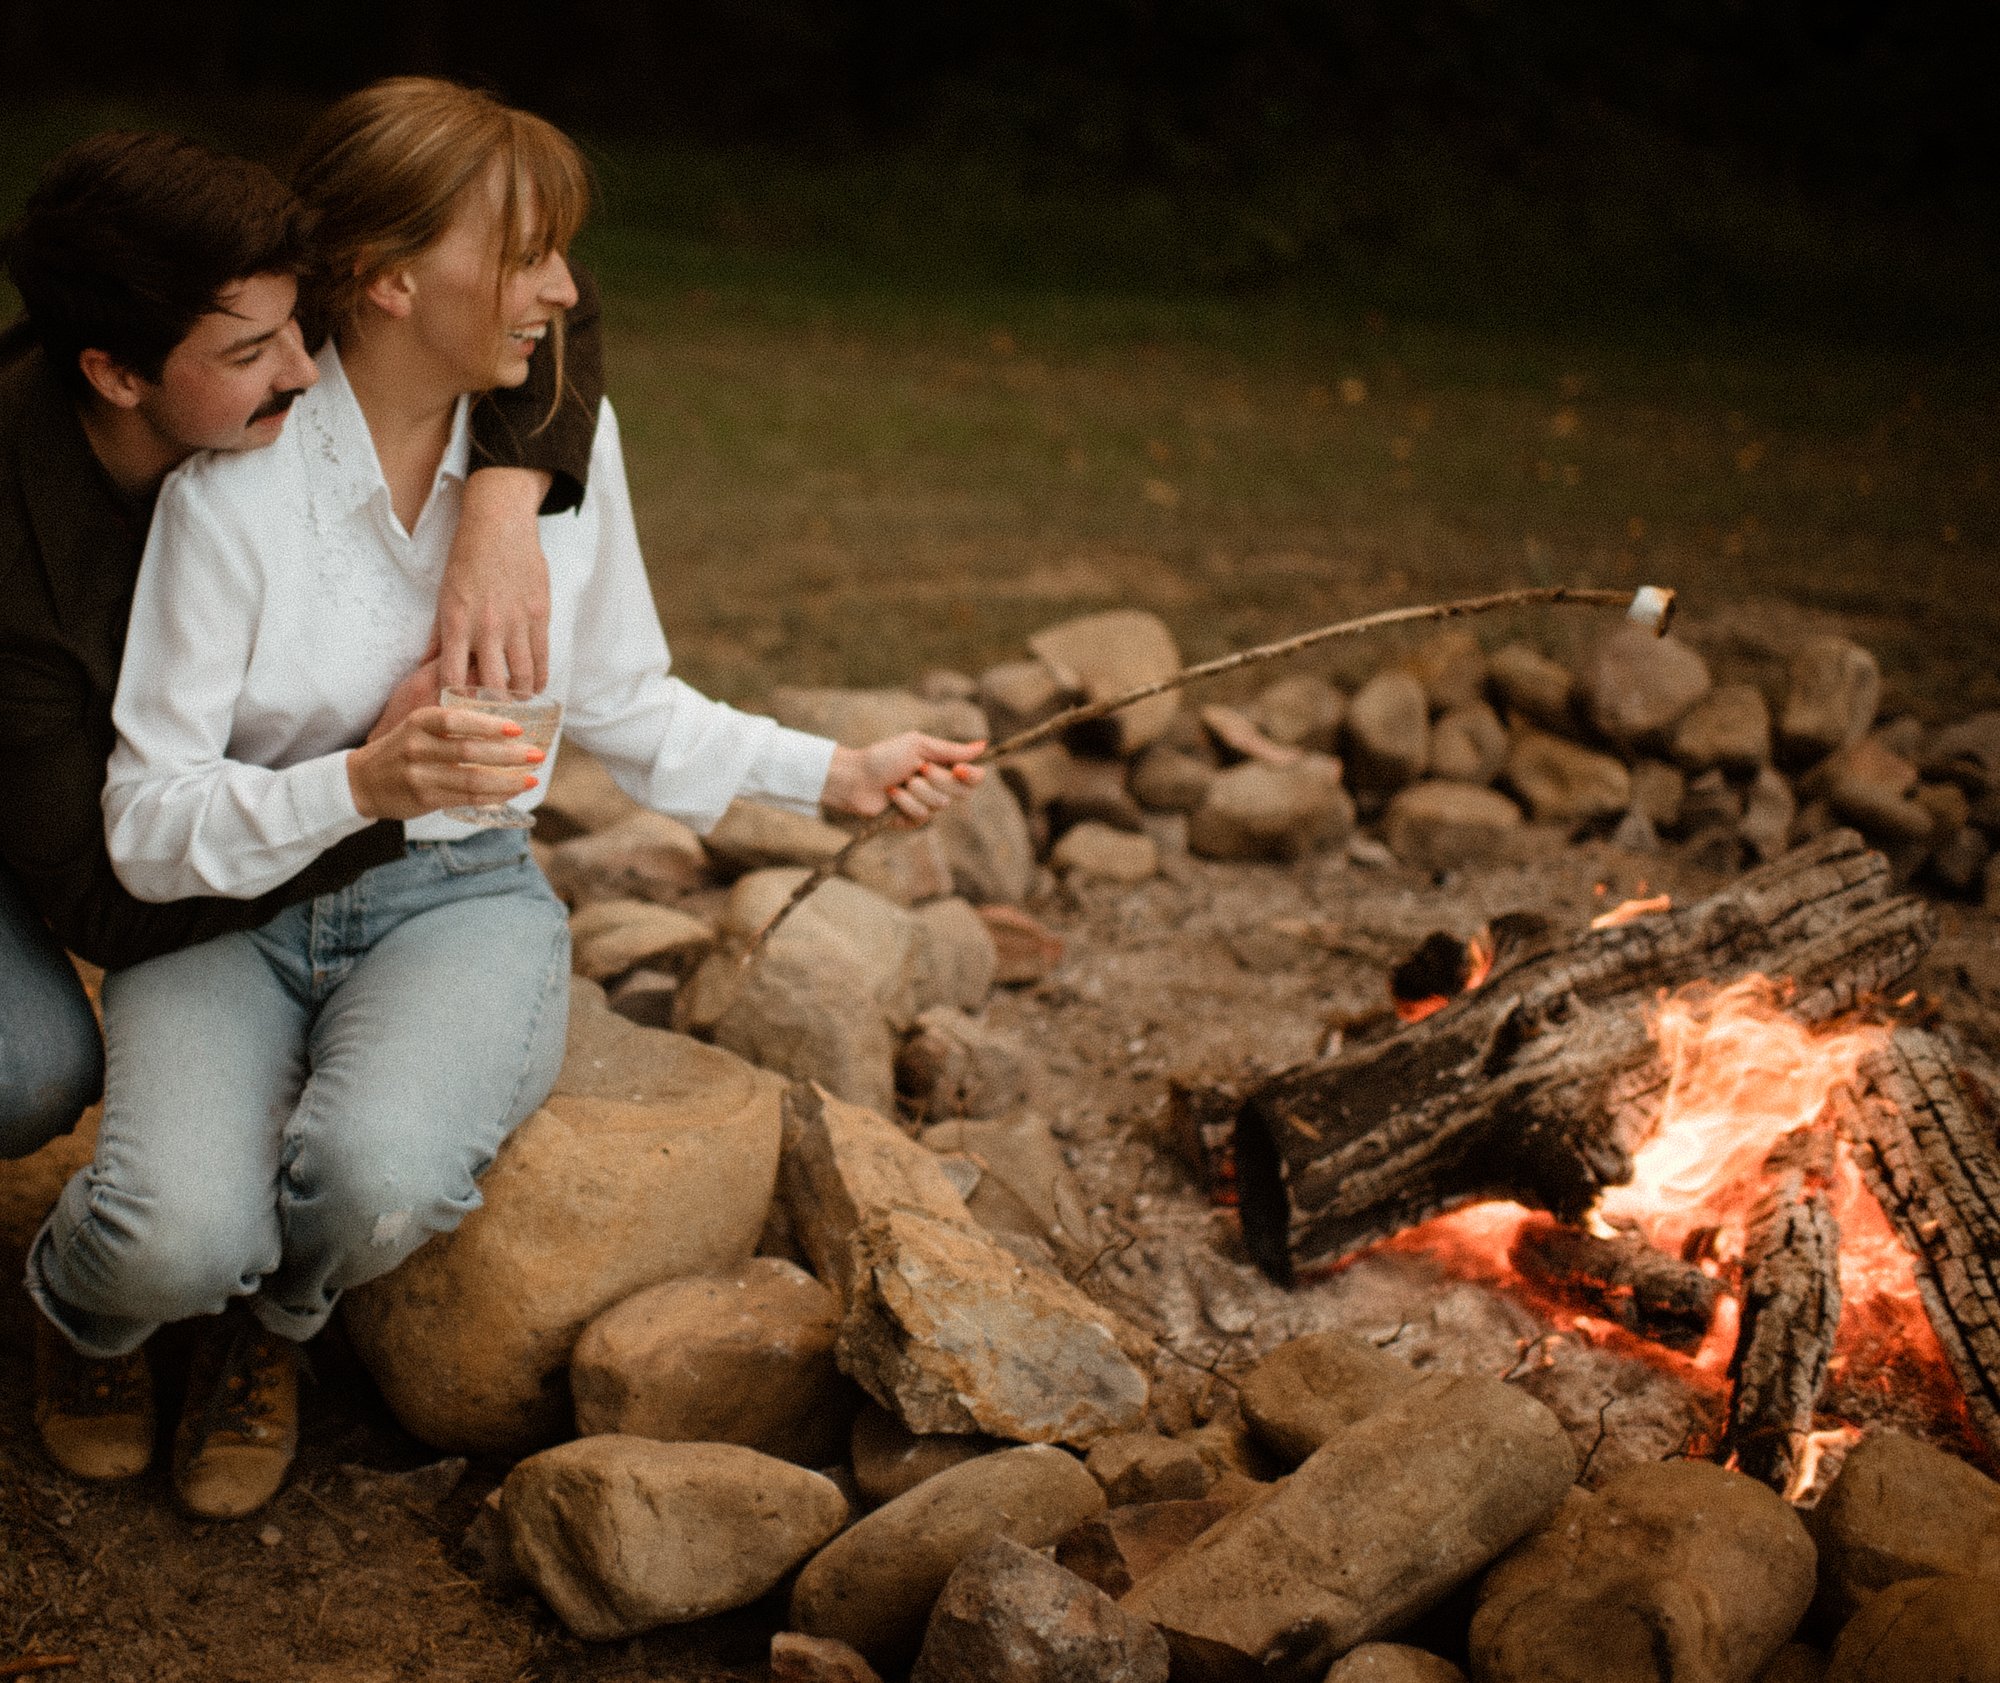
[(1651, 605)]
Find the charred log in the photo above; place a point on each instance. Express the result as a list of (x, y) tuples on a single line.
[(1539, 1085), (1623, 1280)]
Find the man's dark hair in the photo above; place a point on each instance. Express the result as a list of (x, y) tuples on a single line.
[(129, 239)]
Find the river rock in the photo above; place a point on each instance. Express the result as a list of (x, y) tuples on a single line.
[(1023, 1155), (1097, 851), (1300, 711), (1667, 1569), (1711, 802), (1019, 693), (1658, 790), (643, 856), (987, 845), (1008, 1615), (1870, 786), (1637, 687), (1469, 744), (1257, 811), (855, 718), (1169, 779), (874, 1585), (622, 1534), (1107, 654), (1239, 737), (1900, 1509), (1376, 1526), (955, 1065), (1561, 782), (1923, 1630), (1025, 949), (958, 959), (1451, 666), (589, 1201), (1146, 1467), (1830, 698), (1769, 809), (1388, 732), (1729, 730), (582, 797), (951, 1331), (1090, 791), (610, 937), (906, 866), (1115, 1549), (1446, 826), (1967, 753), (890, 1459), (817, 1659), (753, 836), (1391, 1662), (744, 1357), (1540, 690), (1310, 1389)]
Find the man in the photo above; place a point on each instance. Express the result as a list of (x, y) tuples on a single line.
[(159, 280)]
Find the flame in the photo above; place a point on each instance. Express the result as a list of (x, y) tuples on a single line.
[(1813, 1452), (1627, 911), (1479, 952)]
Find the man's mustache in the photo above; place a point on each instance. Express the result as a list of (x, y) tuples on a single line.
[(277, 403)]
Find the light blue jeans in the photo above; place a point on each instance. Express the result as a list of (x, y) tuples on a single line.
[(293, 1110)]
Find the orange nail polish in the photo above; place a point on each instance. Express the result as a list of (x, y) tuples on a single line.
[(510, 729), (536, 756)]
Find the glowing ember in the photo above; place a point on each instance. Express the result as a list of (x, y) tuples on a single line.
[(1626, 911)]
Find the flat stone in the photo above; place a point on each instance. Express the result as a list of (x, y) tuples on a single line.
[(1451, 666), (1240, 737), (1667, 1569), (1168, 779), (1098, 852), (958, 959), (1830, 699), (1025, 949), (954, 1065), (1008, 1615), (744, 1357), (610, 937), (1446, 826), (1256, 811), (1376, 1526), (1562, 782), (1540, 690), (1922, 1630), (817, 1659), (622, 1535), (1309, 1390), (874, 1585), (643, 856), (1769, 810), (1637, 687), (1146, 1467), (1900, 1509), (1729, 730), (1300, 711), (1115, 1549), (1108, 654), (890, 1459), (1388, 732), (753, 836), (1468, 745), (1024, 1155), (1391, 1662)]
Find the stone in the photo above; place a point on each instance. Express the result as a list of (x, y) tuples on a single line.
[(589, 1201), (1711, 802), (1869, 785), (1967, 753), (1451, 666), (622, 1535), (1096, 852), (1008, 1615), (954, 1065), (1658, 790), (1922, 1630), (873, 1586), (1018, 694), (1667, 1569), (1025, 950), (610, 937), (1796, 1662), (1947, 803), (1562, 782), (817, 1659), (644, 856), (1093, 792), (1540, 690), (752, 836), (1469, 744), (958, 960), (855, 718), (1388, 732), (1239, 737), (1900, 1509), (951, 1331), (646, 996), (1107, 654), (1115, 1549), (1168, 779), (1447, 826), (1146, 1467), (1024, 1156), (1310, 1389), (987, 845), (1379, 1524), (1638, 687), (1391, 1662), (1989, 898), (1769, 810), (1958, 862), (1902, 736), (744, 1357), (1832, 691), (582, 797), (1300, 711), (943, 683), (890, 1459), (906, 866), (1256, 811), (844, 1166), (1729, 730)]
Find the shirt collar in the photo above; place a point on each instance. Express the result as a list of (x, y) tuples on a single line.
[(340, 451)]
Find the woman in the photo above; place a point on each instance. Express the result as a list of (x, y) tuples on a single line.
[(293, 1110)]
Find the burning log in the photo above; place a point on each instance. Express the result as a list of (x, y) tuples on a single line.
[(1539, 1085), (1791, 1311), (1624, 1280), (1924, 1135)]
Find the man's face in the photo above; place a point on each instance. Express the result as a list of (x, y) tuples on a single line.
[(228, 384)]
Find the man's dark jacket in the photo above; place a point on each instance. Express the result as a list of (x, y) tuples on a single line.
[(69, 557)]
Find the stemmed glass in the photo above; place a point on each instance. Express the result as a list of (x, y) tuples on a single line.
[(539, 718)]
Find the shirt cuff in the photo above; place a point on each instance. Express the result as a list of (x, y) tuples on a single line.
[(790, 770), (323, 800)]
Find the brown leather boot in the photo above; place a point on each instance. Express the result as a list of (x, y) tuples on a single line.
[(240, 1423), (95, 1417)]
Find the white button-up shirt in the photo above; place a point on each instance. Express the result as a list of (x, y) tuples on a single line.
[(279, 603)]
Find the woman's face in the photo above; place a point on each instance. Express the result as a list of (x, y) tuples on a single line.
[(455, 298)]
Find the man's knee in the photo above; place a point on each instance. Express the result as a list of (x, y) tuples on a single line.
[(51, 1072)]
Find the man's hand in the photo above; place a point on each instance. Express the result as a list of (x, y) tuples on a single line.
[(919, 775), (419, 689), (439, 757), (493, 604)]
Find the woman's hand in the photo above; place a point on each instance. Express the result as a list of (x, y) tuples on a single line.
[(919, 775), (493, 603), (439, 757)]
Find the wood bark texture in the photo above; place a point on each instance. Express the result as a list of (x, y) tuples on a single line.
[(1624, 1280)]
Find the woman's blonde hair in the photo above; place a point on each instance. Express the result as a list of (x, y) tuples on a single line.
[(383, 172)]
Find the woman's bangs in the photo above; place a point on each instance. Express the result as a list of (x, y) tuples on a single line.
[(550, 191)]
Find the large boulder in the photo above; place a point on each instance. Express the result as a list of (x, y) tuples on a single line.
[(1108, 654), (643, 856), (1261, 811), (622, 1534), (1637, 686), (1923, 1630), (1830, 700), (591, 1200)]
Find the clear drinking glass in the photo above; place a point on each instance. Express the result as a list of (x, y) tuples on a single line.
[(538, 716)]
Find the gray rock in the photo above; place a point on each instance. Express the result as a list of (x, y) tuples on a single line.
[(958, 959), (1830, 700), (1388, 732), (817, 1659), (622, 1535), (1667, 1569), (1469, 744), (1107, 654), (1310, 1389), (890, 1459), (1561, 782), (873, 1586), (744, 1357), (643, 856), (610, 937), (753, 836), (1257, 811), (1025, 1157), (1007, 1615), (1540, 690), (1019, 693), (1638, 686), (1451, 666), (954, 1065), (1300, 711), (1097, 851), (1376, 1526), (1769, 809), (1390, 1662), (1922, 1630), (1728, 731), (1169, 779), (1446, 826), (1146, 1467)]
